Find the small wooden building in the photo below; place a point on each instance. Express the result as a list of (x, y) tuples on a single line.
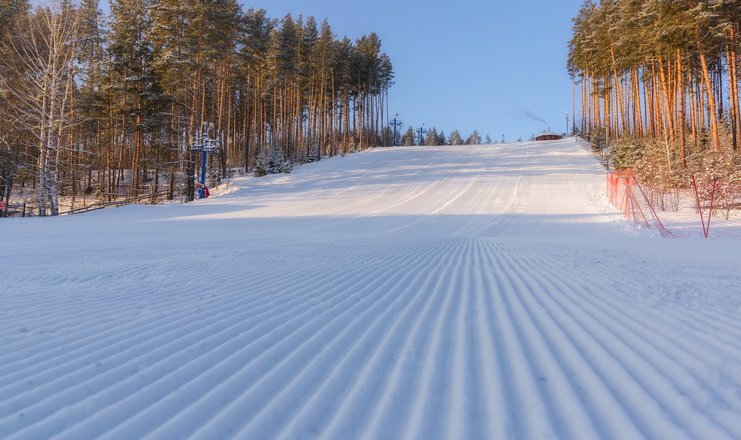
[(548, 136)]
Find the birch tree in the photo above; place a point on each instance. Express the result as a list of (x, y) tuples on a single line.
[(42, 86)]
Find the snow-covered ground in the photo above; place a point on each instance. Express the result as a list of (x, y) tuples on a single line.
[(684, 221), (452, 292)]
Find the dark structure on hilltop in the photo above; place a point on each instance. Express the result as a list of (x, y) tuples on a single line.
[(548, 136)]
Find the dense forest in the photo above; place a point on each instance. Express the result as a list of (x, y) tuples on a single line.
[(101, 107), (658, 90)]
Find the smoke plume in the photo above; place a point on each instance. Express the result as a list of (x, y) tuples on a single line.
[(527, 114)]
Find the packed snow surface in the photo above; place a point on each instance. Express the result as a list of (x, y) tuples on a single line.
[(426, 292)]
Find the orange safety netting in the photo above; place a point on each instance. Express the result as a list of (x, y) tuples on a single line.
[(626, 194)]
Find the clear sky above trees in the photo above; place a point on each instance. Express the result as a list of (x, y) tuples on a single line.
[(473, 64)]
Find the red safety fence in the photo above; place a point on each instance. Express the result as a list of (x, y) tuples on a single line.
[(626, 194), (713, 190)]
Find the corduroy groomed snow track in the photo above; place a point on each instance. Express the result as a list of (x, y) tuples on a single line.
[(453, 292)]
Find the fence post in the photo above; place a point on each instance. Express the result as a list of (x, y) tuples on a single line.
[(712, 203), (705, 231)]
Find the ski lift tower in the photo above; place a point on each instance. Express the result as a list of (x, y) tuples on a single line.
[(397, 125), (422, 132), (206, 146)]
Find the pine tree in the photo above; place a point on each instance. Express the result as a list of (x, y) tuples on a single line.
[(140, 99), (474, 139), (408, 138), (431, 137), (442, 139), (177, 61), (254, 41), (455, 138), (272, 161)]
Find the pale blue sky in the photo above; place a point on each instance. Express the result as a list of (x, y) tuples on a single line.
[(470, 64)]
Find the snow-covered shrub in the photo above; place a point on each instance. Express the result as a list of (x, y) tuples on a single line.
[(660, 172), (274, 162), (717, 171), (259, 168), (718, 176), (599, 142), (626, 153), (312, 155), (287, 167)]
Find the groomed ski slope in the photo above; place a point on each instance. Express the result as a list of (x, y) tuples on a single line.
[(455, 292)]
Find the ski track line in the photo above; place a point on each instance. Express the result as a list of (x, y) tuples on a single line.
[(708, 318), (360, 353), (705, 323), (615, 368), (144, 296), (88, 309), (653, 327), (495, 219), (311, 179), (572, 416), (448, 200), (416, 193), (246, 380), (304, 181), (439, 309), (521, 335), (548, 322), (151, 356), (440, 202), (371, 199), (360, 203), (121, 270), (365, 202), (413, 193), (486, 196), (485, 417), (511, 416), (50, 348), (363, 397), (498, 219), (315, 371), (318, 283), (614, 307), (389, 189), (158, 413), (426, 418), (463, 393), (641, 360), (526, 401)]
